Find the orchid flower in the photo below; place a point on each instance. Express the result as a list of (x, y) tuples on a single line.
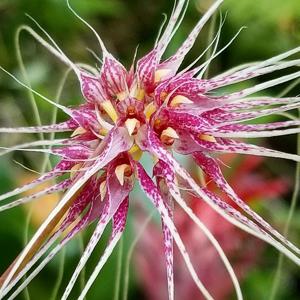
[(159, 109), (244, 251)]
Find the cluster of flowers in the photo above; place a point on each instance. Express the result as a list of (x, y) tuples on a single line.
[(155, 108)]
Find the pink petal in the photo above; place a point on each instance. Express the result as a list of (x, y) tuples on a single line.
[(85, 117), (146, 68), (114, 197), (89, 196), (185, 121), (175, 61), (244, 75), (58, 170), (62, 127), (257, 127), (74, 152), (47, 191), (113, 76), (119, 221), (91, 88), (231, 146), (153, 194), (115, 142), (168, 238), (169, 30), (212, 169), (228, 117), (120, 217)]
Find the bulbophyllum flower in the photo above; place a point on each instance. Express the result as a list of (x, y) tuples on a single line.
[(244, 251), (156, 108)]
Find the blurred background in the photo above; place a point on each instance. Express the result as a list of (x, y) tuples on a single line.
[(272, 26)]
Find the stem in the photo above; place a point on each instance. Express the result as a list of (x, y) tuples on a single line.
[(46, 162), (289, 88), (59, 275), (119, 269), (130, 253), (54, 114), (210, 37), (37, 120), (31, 96)]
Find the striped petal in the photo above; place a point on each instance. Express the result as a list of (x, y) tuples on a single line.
[(91, 88), (153, 145), (62, 127), (212, 169), (114, 197), (116, 142), (48, 191), (113, 77), (175, 61), (119, 222), (153, 194), (164, 171)]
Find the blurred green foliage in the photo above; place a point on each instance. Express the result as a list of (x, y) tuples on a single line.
[(272, 26)]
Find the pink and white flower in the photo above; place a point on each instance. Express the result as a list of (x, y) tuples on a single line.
[(245, 252), (155, 108)]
